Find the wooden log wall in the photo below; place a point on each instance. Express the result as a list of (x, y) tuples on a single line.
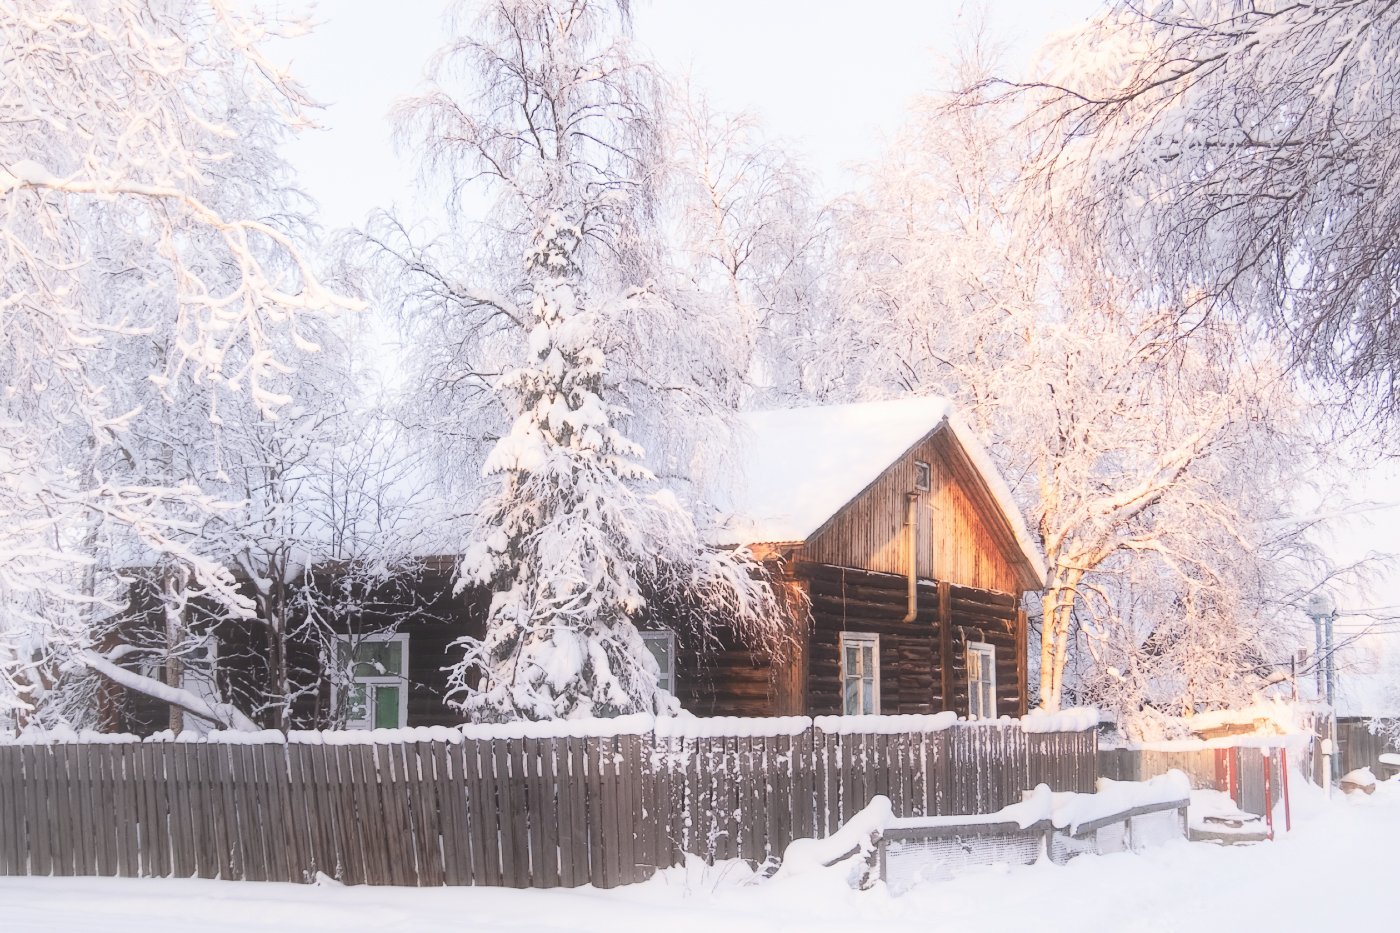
[(923, 664), (517, 812)]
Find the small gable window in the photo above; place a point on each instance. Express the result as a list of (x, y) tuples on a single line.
[(923, 477)]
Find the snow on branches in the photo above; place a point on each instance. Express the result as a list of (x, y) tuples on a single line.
[(147, 254), (1241, 153)]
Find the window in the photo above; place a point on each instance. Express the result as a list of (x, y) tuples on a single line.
[(923, 478), (981, 681), (376, 667), (860, 673), (662, 646)]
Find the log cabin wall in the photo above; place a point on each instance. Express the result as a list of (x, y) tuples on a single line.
[(923, 666), (959, 539)]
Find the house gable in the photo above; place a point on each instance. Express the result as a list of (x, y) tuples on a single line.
[(963, 537)]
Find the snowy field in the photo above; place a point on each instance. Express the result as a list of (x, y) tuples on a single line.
[(1349, 848)]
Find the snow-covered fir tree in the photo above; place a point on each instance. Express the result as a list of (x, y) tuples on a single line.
[(560, 326)]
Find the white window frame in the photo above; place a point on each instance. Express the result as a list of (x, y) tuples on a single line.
[(371, 683), (667, 678), (923, 476), (980, 706), (864, 640)]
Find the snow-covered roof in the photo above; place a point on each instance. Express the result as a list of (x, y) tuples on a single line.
[(798, 467)]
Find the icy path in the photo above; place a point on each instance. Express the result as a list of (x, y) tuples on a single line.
[(1351, 847)]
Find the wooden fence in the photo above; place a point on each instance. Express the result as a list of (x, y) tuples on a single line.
[(1242, 772), (519, 812), (1359, 747)]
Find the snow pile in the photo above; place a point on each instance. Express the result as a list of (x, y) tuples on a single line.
[(1362, 779), (1065, 809), (1074, 810), (1214, 811), (1075, 719), (1276, 717), (856, 838)]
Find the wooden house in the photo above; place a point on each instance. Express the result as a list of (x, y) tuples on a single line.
[(885, 524), (889, 520)]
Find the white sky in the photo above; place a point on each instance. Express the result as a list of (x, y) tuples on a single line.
[(830, 77)]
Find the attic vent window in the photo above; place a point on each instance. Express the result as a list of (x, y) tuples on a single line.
[(922, 476)]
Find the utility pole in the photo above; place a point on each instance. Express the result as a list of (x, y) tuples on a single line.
[(1323, 612)]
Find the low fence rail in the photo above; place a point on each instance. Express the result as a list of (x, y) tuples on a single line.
[(473, 806), (911, 850)]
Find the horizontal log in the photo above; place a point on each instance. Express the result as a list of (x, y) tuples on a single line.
[(897, 592), (992, 597)]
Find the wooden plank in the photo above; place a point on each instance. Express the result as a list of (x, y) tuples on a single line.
[(451, 798), (599, 872), (389, 794), (503, 791), (11, 828), (37, 832), (128, 860), (481, 809), (329, 857), (358, 827), (547, 869), (281, 835), (462, 758), (370, 820), (526, 753), (299, 795), (629, 811), (147, 837), (558, 750), (180, 858), (427, 854), (691, 805), (649, 810), (155, 827), (578, 809), (428, 822)]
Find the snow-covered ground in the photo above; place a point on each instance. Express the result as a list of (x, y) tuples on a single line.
[(1335, 871)]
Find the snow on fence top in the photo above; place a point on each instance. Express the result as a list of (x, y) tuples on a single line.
[(1075, 719), (885, 725), (683, 726)]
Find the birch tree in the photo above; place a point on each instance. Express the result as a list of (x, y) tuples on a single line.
[(752, 238), (1114, 416), (136, 132), (1239, 156), (569, 312)]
